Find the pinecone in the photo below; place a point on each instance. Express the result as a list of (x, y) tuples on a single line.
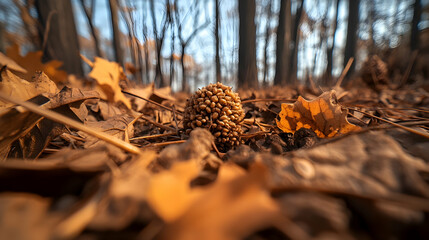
[(217, 108)]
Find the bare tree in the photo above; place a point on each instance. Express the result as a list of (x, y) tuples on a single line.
[(293, 59), (30, 23), (352, 26), (145, 49), (184, 41), (172, 58), (119, 55), (61, 40), (217, 42), (267, 39), (135, 50), (89, 13), (414, 40), (247, 72), (330, 49), (282, 44), (159, 39)]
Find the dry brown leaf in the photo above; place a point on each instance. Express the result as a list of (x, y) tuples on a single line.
[(108, 74), (32, 62), (323, 115), (235, 206), (145, 92), (169, 193), (12, 65), (12, 85), (25, 216)]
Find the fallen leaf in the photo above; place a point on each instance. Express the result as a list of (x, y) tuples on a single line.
[(323, 115), (169, 193), (25, 216), (20, 89), (32, 62), (11, 65), (145, 92), (236, 197), (107, 74)]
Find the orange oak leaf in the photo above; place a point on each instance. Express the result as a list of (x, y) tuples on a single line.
[(108, 74), (32, 62), (323, 115)]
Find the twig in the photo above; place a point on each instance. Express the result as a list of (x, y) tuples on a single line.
[(268, 100), (48, 27), (157, 124), (72, 123), (175, 119), (219, 154), (153, 136), (153, 102), (423, 134), (162, 144), (344, 73)]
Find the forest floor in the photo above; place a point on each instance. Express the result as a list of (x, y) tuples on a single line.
[(108, 159)]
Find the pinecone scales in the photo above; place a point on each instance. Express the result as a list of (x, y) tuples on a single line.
[(217, 108)]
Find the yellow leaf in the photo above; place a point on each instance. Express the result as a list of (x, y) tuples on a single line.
[(170, 193), (32, 62), (323, 115), (107, 74)]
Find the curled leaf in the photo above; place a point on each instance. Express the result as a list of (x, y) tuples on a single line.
[(323, 115)]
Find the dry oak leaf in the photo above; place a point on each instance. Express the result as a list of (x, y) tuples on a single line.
[(32, 62), (323, 115), (108, 74), (18, 88)]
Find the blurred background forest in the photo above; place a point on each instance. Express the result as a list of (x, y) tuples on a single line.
[(244, 43)]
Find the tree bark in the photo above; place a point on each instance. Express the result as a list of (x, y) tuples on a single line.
[(282, 44), (159, 40), (414, 41), (57, 19), (247, 72), (217, 42), (293, 60), (352, 26), (119, 57), (330, 49), (267, 38)]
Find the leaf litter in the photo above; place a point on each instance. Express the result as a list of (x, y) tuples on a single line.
[(109, 159)]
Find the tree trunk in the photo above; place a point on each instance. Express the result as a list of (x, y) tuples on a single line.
[(62, 42), (293, 60), (159, 79), (247, 72), (89, 17), (119, 58), (283, 40), (173, 40), (267, 38), (185, 84), (330, 49), (352, 26), (414, 41), (217, 42)]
